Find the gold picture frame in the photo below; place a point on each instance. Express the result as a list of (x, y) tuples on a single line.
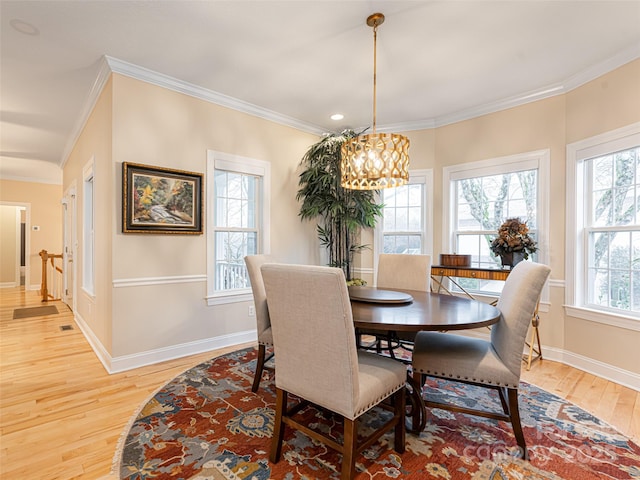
[(161, 200)]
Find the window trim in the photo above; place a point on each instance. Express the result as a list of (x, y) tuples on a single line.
[(537, 159), (575, 262), (425, 177), (245, 165)]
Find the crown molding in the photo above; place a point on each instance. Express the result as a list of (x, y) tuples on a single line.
[(503, 104), (90, 102), (591, 73), (165, 81), (110, 64), (618, 60)]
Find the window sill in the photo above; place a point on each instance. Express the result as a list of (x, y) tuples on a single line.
[(236, 297), (620, 321)]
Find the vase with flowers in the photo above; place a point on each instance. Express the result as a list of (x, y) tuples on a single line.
[(513, 243)]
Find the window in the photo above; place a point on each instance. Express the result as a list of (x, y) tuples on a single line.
[(482, 195), (87, 229), (238, 209), (406, 220), (604, 211)]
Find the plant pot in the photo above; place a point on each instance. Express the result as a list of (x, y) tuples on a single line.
[(511, 259)]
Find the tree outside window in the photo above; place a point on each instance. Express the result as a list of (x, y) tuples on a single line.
[(479, 196), (613, 231)]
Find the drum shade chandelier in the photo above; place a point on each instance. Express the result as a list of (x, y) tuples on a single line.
[(376, 160)]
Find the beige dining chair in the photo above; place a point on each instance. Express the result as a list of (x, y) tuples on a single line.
[(314, 343), (493, 363), (402, 272), (263, 323)]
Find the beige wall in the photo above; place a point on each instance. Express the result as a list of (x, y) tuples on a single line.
[(142, 123), (45, 207), (95, 145), (606, 103)]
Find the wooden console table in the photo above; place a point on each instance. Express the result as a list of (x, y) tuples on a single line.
[(440, 272)]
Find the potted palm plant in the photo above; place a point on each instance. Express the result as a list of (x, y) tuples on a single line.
[(340, 212), (513, 243)]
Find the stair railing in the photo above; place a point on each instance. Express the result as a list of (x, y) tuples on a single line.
[(51, 285)]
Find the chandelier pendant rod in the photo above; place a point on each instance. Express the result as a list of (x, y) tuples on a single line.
[(374, 161), (375, 43)]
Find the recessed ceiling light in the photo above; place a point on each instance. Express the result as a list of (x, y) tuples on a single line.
[(24, 27), (337, 116)]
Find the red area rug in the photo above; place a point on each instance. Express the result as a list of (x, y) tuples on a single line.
[(206, 424)]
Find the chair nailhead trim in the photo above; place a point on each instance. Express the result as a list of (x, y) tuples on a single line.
[(450, 375), (377, 402)]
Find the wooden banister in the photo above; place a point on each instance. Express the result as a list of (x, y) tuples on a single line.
[(46, 256)]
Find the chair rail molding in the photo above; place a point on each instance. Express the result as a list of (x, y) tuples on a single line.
[(167, 280)]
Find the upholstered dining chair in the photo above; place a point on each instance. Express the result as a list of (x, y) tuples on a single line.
[(402, 272), (317, 361), (263, 324), (494, 363)]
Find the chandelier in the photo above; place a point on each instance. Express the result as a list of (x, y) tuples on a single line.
[(376, 160)]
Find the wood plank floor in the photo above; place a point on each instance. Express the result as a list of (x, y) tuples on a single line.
[(61, 414)]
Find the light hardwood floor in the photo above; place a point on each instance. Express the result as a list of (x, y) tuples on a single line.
[(61, 414)]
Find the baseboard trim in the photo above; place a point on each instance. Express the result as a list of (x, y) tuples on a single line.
[(129, 362), (595, 367), (94, 342)]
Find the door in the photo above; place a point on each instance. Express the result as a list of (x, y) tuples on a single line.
[(69, 248)]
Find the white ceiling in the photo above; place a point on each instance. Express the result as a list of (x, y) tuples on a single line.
[(298, 61)]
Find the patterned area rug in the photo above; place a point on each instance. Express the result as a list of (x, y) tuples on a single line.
[(206, 424)]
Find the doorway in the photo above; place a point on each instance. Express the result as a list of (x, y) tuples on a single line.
[(14, 225), (69, 247)]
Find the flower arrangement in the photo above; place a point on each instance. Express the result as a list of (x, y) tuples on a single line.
[(513, 236)]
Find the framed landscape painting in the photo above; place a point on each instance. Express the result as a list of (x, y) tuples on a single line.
[(161, 200)]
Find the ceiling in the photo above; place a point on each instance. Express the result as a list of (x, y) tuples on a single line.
[(297, 62)]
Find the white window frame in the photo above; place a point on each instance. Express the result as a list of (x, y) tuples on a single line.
[(424, 177), (235, 163), (539, 160), (575, 257), (88, 226)]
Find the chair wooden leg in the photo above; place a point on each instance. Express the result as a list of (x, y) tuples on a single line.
[(262, 351), (503, 399), (349, 449), (278, 426), (399, 400), (418, 383), (514, 413)]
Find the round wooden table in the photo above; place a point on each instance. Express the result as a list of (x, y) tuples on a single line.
[(388, 310), (423, 311)]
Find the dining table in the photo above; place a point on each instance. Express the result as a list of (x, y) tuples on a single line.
[(388, 311)]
